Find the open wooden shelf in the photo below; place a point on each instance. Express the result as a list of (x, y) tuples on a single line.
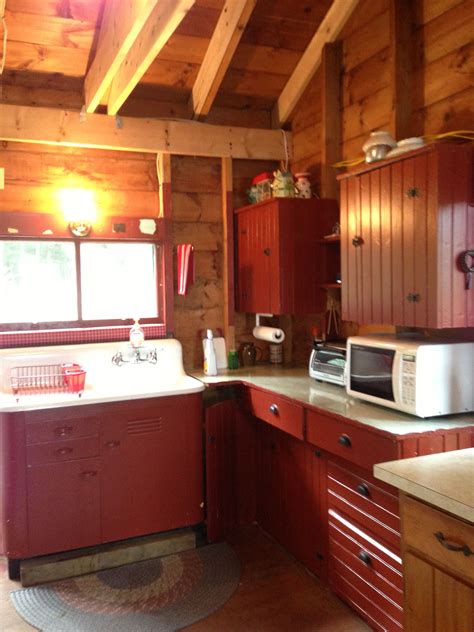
[(330, 286)]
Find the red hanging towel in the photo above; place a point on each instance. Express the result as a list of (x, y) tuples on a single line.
[(185, 267)]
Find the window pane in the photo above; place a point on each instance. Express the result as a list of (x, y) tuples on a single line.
[(118, 281), (37, 281)]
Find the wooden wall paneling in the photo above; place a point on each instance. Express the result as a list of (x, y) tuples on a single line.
[(61, 127), (366, 41), (221, 49), (328, 30), (367, 78), (401, 55), (331, 68), (228, 254)]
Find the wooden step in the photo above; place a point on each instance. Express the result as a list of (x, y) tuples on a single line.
[(51, 568)]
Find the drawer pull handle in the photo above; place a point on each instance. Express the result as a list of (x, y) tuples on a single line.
[(451, 546), (363, 490), (64, 451), (365, 557), (89, 474), (64, 430), (273, 408), (345, 440), (112, 444)]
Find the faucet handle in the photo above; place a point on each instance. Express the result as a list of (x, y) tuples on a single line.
[(153, 356), (117, 359)]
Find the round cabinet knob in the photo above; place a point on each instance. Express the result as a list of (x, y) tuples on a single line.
[(273, 409), (363, 490), (345, 440), (266, 251), (414, 297), (357, 241), (364, 557)]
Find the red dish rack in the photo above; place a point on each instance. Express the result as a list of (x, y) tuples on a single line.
[(47, 378)]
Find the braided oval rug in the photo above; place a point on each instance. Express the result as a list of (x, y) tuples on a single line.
[(159, 595)]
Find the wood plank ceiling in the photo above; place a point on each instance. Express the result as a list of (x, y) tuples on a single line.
[(52, 45)]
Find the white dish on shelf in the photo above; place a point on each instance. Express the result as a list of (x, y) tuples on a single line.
[(407, 144)]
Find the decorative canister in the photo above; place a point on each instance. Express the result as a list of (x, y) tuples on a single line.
[(283, 184), (276, 354), (303, 185), (263, 184)]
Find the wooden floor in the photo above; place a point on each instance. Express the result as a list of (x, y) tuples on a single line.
[(275, 594)]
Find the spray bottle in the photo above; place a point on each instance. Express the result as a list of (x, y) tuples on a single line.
[(210, 362)]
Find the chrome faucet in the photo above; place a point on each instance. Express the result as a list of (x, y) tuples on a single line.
[(136, 357)]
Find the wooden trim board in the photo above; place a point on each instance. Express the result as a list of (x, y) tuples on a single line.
[(50, 126)]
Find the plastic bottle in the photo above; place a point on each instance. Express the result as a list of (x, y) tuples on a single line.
[(137, 337), (210, 362)]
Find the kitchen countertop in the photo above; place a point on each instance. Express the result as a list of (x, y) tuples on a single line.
[(443, 480), (295, 383)]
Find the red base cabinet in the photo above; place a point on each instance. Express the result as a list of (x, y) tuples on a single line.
[(81, 476)]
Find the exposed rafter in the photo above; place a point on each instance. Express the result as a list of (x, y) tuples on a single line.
[(189, 138), (161, 24), (221, 49), (121, 25), (328, 31)]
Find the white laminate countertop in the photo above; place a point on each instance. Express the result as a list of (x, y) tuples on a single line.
[(295, 383), (443, 480)]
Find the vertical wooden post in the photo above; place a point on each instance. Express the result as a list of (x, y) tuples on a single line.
[(163, 170), (401, 26), (228, 262), (331, 65)]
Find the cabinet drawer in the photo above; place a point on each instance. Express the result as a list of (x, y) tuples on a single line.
[(363, 501), (429, 531), (363, 447), (60, 430), (58, 451), (276, 411)]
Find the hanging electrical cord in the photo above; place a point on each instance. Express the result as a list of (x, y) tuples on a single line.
[(285, 145), (4, 51)]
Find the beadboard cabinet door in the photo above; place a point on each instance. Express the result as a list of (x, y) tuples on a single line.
[(404, 226), (280, 260)]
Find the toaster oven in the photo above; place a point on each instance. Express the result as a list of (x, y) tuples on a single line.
[(328, 362)]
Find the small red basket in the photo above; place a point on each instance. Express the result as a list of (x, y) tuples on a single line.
[(75, 379)]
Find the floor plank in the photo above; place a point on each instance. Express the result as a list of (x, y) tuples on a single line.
[(275, 594)]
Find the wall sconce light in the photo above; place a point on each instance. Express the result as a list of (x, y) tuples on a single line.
[(79, 209)]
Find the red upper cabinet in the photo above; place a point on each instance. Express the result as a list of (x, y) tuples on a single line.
[(404, 226), (281, 263)]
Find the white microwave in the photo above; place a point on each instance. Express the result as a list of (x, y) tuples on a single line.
[(419, 376)]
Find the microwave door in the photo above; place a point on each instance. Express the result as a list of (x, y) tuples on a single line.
[(371, 371)]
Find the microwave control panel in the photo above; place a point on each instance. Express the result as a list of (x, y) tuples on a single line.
[(408, 379)]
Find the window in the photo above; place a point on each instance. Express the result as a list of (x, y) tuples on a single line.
[(73, 283)]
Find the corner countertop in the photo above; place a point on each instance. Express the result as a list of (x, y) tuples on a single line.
[(443, 480), (295, 383)]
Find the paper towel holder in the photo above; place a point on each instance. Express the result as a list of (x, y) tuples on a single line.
[(259, 316)]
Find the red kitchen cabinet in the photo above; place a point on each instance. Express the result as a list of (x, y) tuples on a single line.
[(81, 476), (231, 451), (290, 497), (280, 256), (151, 467), (63, 506), (405, 224)]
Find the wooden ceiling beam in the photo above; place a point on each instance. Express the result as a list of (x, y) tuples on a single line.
[(401, 14), (161, 24), (188, 138), (121, 25), (225, 39), (327, 32)]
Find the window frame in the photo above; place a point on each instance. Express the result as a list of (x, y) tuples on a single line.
[(100, 236)]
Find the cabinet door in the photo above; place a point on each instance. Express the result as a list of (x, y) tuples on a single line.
[(435, 601), (63, 506), (289, 496), (152, 468), (351, 244), (257, 257), (230, 469)]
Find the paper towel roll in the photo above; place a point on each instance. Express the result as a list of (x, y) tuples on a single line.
[(271, 334)]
